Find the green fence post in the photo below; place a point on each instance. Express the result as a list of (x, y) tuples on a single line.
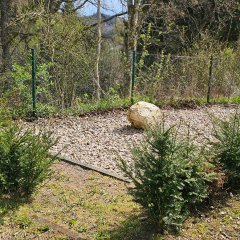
[(33, 81), (210, 79), (133, 75)]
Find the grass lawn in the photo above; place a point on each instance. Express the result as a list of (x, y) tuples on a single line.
[(81, 204)]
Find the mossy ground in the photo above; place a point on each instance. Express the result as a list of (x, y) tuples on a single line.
[(77, 203)]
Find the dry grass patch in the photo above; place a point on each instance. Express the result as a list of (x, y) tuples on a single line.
[(81, 204)]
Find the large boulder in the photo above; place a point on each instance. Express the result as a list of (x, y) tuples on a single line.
[(143, 115)]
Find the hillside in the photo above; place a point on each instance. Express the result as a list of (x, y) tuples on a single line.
[(109, 27)]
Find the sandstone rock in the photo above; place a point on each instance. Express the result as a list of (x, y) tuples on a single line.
[(143, 115)]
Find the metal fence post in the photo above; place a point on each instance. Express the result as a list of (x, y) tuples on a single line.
[(133, 75), (210, 79), (33, 81)]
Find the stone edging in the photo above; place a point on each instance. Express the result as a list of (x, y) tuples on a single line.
[(94, 168)]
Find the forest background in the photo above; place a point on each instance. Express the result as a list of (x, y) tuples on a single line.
[(172, 49)]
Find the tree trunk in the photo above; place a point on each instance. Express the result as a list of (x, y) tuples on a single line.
[(134, 8), (68, 7), (99, 41), (52, 6), (5, 6), (132, 31)]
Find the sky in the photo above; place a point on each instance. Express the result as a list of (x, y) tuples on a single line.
[(113, 7)]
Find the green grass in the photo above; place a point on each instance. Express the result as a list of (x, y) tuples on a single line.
[(95, 207), (80, 201), (115, 102), (189, 103), (103, 105)]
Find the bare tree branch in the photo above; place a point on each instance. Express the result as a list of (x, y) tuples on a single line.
[(81, 5), (106, 20)]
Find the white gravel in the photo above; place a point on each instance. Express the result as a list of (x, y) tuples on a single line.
[(98, 140)]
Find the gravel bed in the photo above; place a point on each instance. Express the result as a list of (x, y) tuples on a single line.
[(100, 139)]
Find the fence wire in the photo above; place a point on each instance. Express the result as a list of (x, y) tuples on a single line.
[(166, 77), (67, 83)]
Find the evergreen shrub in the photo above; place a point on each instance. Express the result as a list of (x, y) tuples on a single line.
[(225, 147), (24, 159), (168, 177)]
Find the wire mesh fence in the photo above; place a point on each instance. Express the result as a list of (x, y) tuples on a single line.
[(166, 77), (64, 84)]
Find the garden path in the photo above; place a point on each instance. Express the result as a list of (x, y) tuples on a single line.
[(101, 139)]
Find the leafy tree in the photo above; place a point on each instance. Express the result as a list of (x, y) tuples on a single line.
[(177, 24)]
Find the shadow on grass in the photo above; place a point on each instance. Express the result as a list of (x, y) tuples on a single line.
[(11, 203), (139, 228), (134, 228)]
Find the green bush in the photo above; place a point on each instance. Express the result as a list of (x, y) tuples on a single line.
[(5, 115), (168, 177), (18, 98), (226, 147), (24, 159)]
